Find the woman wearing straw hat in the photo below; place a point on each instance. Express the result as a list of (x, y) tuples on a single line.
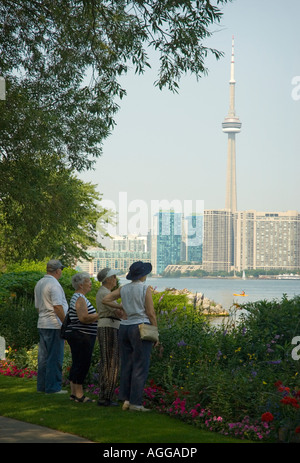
[(135, 354)]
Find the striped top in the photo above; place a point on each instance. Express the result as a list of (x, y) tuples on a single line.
[(88, 328)]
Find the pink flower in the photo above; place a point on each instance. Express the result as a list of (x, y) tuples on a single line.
[(194, 413)]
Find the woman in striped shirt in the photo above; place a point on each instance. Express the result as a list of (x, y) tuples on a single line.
[(82, 333)]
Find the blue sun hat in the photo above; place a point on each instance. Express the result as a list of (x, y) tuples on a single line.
[(138, 269)]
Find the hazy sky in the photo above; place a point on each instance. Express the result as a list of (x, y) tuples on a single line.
[(171, 146)]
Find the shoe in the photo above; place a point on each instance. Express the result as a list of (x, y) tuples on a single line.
[(102, 403), (82, 399), (125, 405), (113, 404), (107, 403), (139, 408)]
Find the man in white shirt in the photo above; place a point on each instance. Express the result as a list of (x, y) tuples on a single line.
[(51, 303)]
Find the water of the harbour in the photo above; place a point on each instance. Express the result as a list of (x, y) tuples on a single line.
[(222, 290)]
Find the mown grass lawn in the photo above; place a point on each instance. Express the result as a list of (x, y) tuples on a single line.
[(19, 400)]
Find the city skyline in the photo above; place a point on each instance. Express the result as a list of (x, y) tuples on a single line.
[(240, 241), (168, 146)]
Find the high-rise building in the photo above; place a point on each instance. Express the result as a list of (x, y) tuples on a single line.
[(267, 240), (166, 244), (193, 238), (129, 243), (231, 126), (218, 243)]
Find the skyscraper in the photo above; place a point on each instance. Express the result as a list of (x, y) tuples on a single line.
[(231, 126), (218, 242), (166, 246), (267, 240), (193, 239)]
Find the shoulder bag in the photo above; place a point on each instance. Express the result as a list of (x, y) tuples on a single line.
[(148, 332), (64, 326)]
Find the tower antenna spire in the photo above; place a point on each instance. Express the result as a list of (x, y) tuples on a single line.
[(232, 62), (231, 126)]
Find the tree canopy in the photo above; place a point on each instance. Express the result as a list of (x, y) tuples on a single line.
[(45, 211), (62, 62)]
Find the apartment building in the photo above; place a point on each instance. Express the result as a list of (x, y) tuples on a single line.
[(121, 253), (218, 240), (267, 240)]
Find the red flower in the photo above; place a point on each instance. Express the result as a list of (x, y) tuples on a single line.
[(290, 401), (283, 389), (267, 417), (297, 430)]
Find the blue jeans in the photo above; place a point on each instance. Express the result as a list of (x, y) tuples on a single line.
[(135, 362), (50, 360)]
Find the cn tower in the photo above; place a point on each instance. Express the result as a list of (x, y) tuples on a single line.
[(231, 125)]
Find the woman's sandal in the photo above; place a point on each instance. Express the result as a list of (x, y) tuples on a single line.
[(82, 399), (72, 397)]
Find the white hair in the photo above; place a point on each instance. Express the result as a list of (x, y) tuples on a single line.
[(79, 278)]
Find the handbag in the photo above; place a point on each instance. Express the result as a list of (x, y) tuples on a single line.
[(64, 326), (148, 332)]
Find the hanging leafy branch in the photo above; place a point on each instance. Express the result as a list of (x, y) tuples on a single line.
[(62, 62), (45, 210)]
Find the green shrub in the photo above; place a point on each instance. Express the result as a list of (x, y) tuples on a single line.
[(20, 280), (18, 322), (23, 358), (232, 369), (18, 284), (18, 316)]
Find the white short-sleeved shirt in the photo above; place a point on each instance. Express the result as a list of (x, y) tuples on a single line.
[(47, 293)]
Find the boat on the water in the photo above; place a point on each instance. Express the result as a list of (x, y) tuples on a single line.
[(290, 276)]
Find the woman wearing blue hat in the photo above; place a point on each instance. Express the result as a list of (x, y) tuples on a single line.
[(135, 353)]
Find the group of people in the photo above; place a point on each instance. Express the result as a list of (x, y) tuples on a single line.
[(124, 356)]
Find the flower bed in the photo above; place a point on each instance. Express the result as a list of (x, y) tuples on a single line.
[(7, 368), (174, 404)]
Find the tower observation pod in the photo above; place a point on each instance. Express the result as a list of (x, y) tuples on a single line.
[(231, 126)]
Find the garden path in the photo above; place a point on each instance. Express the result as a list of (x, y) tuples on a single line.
[(14, 431)]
